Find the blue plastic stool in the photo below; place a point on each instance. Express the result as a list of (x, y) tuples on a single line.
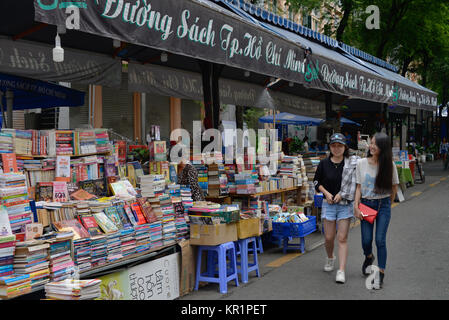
[(216, 256), (259, 245), (243, 251)]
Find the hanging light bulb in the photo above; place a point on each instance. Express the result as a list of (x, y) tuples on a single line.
[(61, 29), (116, 43), (164, 57), (58, 51)]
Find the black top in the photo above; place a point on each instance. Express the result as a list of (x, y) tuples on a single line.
[(328, 174)]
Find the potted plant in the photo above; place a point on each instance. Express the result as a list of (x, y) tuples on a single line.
[(296, 146)]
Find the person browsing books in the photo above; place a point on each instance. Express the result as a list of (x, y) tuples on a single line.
[(335, 178), (188, 175), (377, 180)]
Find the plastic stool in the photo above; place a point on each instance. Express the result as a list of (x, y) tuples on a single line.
[(224, 274), (245, 266), (259, 245)]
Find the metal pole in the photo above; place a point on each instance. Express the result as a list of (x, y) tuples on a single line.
[(9, 107)]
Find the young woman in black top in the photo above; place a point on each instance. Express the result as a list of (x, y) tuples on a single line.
[(335, 178)]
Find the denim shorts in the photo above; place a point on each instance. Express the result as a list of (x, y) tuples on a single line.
[(333, 212)]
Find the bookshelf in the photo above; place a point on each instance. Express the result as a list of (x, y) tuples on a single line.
[(72, 156)]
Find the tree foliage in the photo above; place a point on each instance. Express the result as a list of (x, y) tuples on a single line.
[(413, 34)]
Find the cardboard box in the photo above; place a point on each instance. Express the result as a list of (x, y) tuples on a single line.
[(188, 267), (205, 235), (248, 228)]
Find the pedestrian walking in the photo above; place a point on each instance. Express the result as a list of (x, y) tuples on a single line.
[(444, 148), (335, 178), (377, 180)]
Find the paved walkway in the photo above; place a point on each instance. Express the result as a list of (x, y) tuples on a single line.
[(417, 266)]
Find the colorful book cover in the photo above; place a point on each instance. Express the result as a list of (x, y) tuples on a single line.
[(9, 162), (62, 168), (112, 214), (130, 215), (90, 224), (137, 210), (72, 225), (60, 191), (44, 191), (105, 223), (126, 223), (148, 212), (88, 186)]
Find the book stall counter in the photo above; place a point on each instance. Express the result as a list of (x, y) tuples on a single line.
[(130, 261), (272, 192)]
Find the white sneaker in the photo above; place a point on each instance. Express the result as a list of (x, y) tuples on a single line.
[(329, 266), (340, 278)]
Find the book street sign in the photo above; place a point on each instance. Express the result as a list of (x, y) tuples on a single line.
[(206, 31)]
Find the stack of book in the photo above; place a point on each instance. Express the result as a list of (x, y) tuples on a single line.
[(202, 177), (14, 196), (32, 164), (156, 234), (14, 285), (147, 185), (128, 242), (311, 164), (114, 246), (168, 220), (230, 170), (6, 143), (71, 289), (35, 177), (82, 254), (7, 248), (31, 258), (186, 198), (85, 142), (246, 184), (102, 141), (39, 142), (61, 263), (142, 236), (290, 167), (182, 228), (23, 144), (64, 142), (217, 180), (98, 250)]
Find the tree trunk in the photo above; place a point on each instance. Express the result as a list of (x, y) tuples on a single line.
[(347, 7), (405, 65)]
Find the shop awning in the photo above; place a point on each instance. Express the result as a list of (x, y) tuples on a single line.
[(31, 94), (293, 119), (344, 120), (341, 71), (204, 30)]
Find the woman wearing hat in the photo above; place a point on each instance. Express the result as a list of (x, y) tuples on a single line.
[(335, 178)]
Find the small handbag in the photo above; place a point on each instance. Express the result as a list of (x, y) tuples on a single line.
[(368, 213)]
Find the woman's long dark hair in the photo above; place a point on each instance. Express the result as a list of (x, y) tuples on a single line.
[(384, 179)]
